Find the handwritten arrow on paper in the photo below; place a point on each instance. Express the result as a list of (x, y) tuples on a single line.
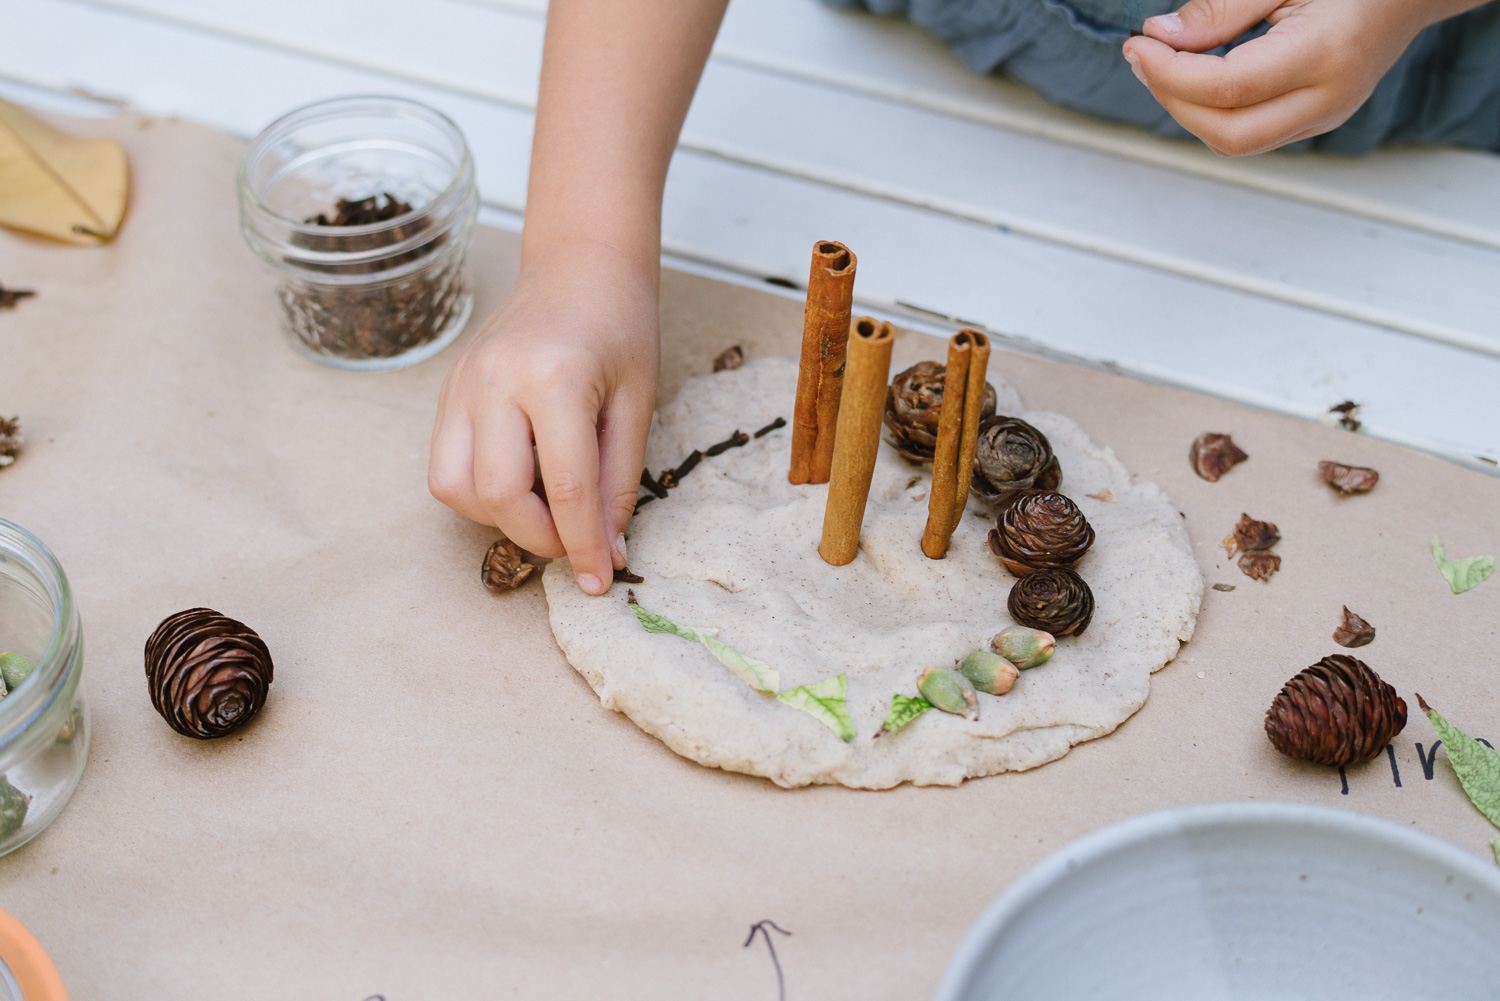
[(762, 926)]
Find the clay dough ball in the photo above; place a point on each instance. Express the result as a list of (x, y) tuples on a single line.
[(735, 548)]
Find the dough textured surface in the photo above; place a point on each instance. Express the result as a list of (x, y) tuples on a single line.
[(735, 548)]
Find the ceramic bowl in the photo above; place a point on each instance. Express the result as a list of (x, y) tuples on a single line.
[(1243, 901)]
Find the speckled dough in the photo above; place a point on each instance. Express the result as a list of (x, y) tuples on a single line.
[(735, 547)]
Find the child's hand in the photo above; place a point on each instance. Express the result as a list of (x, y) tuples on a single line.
[(1307, 75), (568, 362)]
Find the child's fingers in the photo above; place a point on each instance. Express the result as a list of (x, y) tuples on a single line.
[(1204, 24), (504, 475), (1255, 129), (450, 465), (622, 450), (567, 447), (1257, 71)]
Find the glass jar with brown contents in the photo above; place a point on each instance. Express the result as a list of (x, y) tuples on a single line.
[(363, 207)]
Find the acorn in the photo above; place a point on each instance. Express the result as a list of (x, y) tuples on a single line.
[(949, 691), (1023, 646), (989, 672), (1336, 712), (14, 669)]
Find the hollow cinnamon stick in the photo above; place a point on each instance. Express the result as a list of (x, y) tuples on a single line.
[(857, 439), (979, 363), (940, 496), (820, 375)]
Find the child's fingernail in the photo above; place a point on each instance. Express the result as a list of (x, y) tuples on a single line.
[(1171, 24), (590, 584), (1135, 66), (619, 548)]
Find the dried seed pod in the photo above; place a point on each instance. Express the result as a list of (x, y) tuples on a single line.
[(1041, 529), (989, 672), (1353, 631), (1348, 479), (949, 691), (1250, 535), (913, 404), (1259, 565), (1213, 455), (1336, 712), (1011, 458), (1023, 646), (1055, 600), (729, 359), (207, 673), (504, 566), (10, 440)]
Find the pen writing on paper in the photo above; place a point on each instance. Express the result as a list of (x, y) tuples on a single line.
[(762, 927)]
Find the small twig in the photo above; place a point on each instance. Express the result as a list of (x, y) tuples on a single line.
[(692, 460), (779, 422), (651, 484), (760, 926), (733, 441)]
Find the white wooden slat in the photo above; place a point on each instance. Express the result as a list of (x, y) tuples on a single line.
[(1244, 239), (1447, 192), (762, 222)]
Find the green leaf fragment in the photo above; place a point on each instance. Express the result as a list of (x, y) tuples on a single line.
[(1465, 573), (14, 669), (825, 702), (757, 674), (1477, 767), (903, 710)]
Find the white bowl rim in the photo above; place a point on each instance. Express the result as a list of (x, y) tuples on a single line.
[(1199, 816)]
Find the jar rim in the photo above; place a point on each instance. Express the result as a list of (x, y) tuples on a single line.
[(35, 696), (286, 241)]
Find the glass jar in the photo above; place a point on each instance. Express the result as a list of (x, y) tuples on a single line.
[(44, 723), (363, 207)]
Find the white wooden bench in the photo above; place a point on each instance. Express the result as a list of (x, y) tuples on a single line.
[(1287, 281)]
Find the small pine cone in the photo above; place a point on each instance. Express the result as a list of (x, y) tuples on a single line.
[(914, 404), (1336, 712), (1042, 529), (207, 673)]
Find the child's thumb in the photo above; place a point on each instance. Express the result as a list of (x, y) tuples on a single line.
[(1199, 25)]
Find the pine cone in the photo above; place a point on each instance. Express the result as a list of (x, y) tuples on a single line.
[(207, 673), (10, 439), (1336, 712), (913, 404), (1041, 529), (505, 566), (1011, 458), (1055, 600)]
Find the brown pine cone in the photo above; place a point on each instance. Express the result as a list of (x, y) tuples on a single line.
[(913, 404), (207, 673), (1011, 458), (1055, 600), (1336, 712), (1041, 529)]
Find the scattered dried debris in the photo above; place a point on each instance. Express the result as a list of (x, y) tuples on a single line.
[(505, 566), (1250, 535), (1106, 495), (1259, 564), (1353, 631), (10, 440), (1223, 587), (729, 359), (1344, 415), (623, 575), (10, 296), (1214, 454), (1348, 479)]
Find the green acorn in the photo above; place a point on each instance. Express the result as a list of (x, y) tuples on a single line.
[(14, 669), (1023, 646), (949, 691), (13, 804), (989, 672)]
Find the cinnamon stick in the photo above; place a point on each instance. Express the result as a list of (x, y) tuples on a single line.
[(857, 439), (820, 375), (979, 363), (940, 496)]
